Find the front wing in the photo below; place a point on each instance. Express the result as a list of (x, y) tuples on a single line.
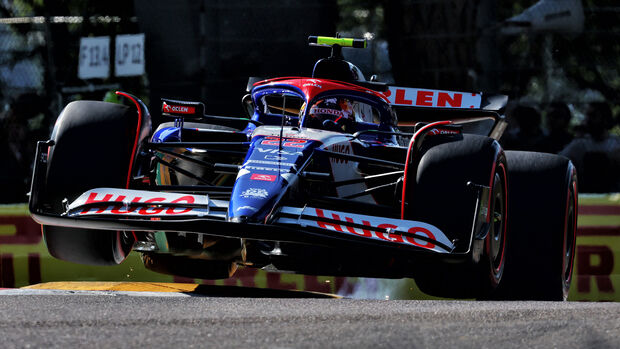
[(139, 210)]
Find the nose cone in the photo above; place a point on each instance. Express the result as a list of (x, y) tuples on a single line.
[(252, 199), (268, 171)]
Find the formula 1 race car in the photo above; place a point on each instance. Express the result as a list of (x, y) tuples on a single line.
[(328, 175)]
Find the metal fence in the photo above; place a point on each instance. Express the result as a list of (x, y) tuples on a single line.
[(38, 75)]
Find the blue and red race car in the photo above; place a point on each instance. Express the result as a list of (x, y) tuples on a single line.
[(328, 175)]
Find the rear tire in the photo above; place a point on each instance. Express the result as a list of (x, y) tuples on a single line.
[(93, 143), (441, 197), (542, 228)]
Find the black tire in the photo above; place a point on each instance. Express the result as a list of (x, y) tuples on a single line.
[(88, 246), (93, 147), (442, 197), (189, 267), (542, 227)]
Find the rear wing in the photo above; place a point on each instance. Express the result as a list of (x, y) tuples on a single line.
[(427, 98), (478, 113)]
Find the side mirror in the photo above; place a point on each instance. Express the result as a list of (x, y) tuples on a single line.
[(248, 105)]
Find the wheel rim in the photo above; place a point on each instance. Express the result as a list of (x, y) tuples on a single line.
[(569, 238), (497, 235)]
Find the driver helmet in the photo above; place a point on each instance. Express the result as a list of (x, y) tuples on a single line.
[(332, 111)]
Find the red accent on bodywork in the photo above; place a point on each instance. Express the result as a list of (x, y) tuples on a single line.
[(309, 88), (135, 144), (411, 143), (263, 177)]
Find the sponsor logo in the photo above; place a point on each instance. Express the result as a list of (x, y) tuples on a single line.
[(263, 177), (342, 149), (157, 205), (431, 98), (373, 223), (178, 109), (313, 83), (443, 131), (260, 168), (275, 157), (327, 111), (277, 163), (256, 193), (309, 84), (278, 152), (379, 235), (287, 143)]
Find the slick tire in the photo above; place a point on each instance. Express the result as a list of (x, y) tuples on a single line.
[(93, 147), (442, 197), (189, 267), (542, 227)]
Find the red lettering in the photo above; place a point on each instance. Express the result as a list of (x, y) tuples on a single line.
[(444, 98), (145, 211), (387, 93), (424, 98), (391, 237), (295, 143), (324, 225), (117, 210), (424, 231), (600, 272), (92, 199), (188, 199), (167, 108), (365, 232), (270, 141), (400, 98)]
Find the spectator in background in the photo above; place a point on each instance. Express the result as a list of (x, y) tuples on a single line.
[(596, 154), (526, 133), (558, 128)]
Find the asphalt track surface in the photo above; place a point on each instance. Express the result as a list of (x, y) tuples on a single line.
[(61, 319)]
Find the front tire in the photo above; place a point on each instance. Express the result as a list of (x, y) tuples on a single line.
[(441, 196), (93, 147)]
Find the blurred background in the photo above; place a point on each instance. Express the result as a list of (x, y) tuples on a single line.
[(557, 60), (554, 58)]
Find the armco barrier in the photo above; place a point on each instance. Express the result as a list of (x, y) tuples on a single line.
[(24, 260)]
